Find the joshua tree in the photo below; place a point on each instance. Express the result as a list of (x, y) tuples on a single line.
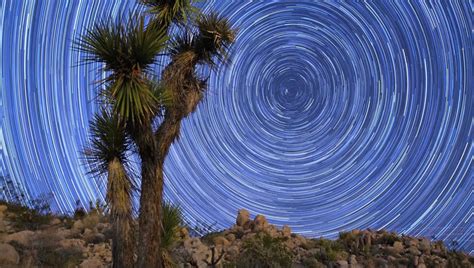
[(107, 155), (133, 99)]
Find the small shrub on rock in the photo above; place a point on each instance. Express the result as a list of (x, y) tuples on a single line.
[(262, 251)]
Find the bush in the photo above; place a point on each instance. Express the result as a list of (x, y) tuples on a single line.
[(264, 251), (172, 221), (387, 239), (30, 218)]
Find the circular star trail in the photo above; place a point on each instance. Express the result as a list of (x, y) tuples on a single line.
[(330, 117)]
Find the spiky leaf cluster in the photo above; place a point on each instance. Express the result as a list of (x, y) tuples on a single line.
[(172, 221), (168, 11), (108, 142), (215, 37), (127, 51)]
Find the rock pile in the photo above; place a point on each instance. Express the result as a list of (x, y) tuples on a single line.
[(86, 242), (358, 248), (58, 243)]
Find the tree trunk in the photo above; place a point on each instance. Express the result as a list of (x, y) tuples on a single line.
[(118, 196), (149, 253), (150, 228)]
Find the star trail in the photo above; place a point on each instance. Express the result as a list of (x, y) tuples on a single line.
[(331, 116)]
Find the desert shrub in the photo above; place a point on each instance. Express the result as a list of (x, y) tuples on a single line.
[(326, 244), (347, 238), (60, 257), (330, 250), (312, 263), (457, 259), (262, 251), (79, 213), (208, 239), (172, 221), (387, 239), (31, 217), (200, 229)]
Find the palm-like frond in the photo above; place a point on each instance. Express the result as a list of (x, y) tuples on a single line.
[(215, 37), (127, 52), (108, 142), (172, 220), (181, 43), (168, 11)]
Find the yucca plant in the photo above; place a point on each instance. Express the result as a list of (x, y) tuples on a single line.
[(107, 156), (172, 221), (127, 52), (133, 99), (165, 12)]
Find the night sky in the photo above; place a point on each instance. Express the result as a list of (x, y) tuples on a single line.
[(331, 116)]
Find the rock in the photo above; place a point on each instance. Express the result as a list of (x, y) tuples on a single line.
[(55, 221), (424, 246), (91, 220), (8, 255), (414, 251), (421, 259), (72, 244), (380, 262), (92, 263), (184, 233), (260, 220), (230, 237), (221, 241), (391, 251), (416, 260), (286, 231), (232, 252), (23, 238), (78, 225), (352, 260), (3, 208), (242, 217), (198, 252), (366, 239), (3, 227), (411, 242), (342, 264), (398, 247), (421, 265)]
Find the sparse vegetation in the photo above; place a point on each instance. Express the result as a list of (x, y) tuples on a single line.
[(30, 217), (265, 251)]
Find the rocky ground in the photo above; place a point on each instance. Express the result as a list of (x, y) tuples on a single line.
[(30, 239)]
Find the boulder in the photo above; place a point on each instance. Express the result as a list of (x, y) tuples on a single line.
[(230, 237), (260, 222), (424, 246), (23, 237), (242, 217), (221, 241), (198, 252), (398, 247), (352, 260), (8, 255), (414, 251), (286, 231), (78, 226), (184, 233), (72, 244), (3, 208), (92, 263), (55, 221), (342, 264)]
